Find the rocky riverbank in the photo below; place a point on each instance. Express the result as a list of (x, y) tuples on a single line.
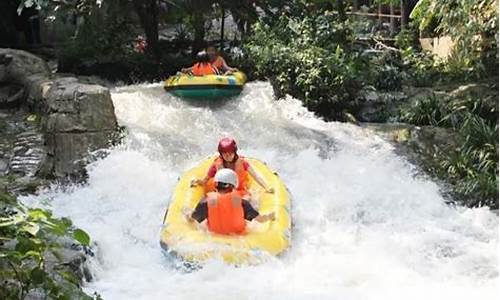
[(74, 117), (51, 125), (450, 132)]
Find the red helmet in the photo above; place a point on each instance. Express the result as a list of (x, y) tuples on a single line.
[(227, 145)]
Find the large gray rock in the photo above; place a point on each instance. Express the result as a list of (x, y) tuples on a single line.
[(79, 119), (377, 106), (23, 64), (71, 257), (70, 151), (11, 95), (422, 145), (76, 107), (474, 90), (37, 86), (5, 60), (421, 138)]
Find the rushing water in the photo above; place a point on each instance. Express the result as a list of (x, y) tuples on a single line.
[(365, 226)]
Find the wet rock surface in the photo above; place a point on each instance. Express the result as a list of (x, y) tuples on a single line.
[(29, 153), (423, 146), (49, 127), (377, 106), (71, 258), (419, 142), (11, 95), (19, 64), (76, 117), (18, 136), (23, 154)]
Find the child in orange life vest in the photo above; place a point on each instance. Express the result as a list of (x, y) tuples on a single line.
[(202, 66), (229, 158), (218, 61), (224, 209)]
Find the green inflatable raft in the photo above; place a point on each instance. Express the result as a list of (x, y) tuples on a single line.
[(206, 87)]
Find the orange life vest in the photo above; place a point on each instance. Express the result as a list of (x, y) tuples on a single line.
[(200, 69), (238, 168), (225, 213)]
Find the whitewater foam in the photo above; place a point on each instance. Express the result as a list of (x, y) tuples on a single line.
[(366, 226)]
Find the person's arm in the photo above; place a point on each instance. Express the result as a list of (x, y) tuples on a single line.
[(226, 67), (211, 173), (201, 182), (186, 70), (200, 212), (264, 218), (259, 179), (251, 214)]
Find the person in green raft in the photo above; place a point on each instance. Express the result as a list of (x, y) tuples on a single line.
[(218, 61), (202, 66)]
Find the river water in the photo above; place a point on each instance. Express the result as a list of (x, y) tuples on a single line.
[(366, 225)]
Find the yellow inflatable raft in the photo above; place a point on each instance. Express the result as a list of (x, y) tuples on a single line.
[(206, 87), (194, 243)]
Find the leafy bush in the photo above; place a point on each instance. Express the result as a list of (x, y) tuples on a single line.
[(27, 236), (472, 24), (308, 56), (473, 167), (425, 111), (385, 71), (99, 39)]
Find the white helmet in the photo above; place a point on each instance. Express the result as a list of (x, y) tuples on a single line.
[(226, 176)]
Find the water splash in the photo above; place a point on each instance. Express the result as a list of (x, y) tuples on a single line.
[(365, 226)]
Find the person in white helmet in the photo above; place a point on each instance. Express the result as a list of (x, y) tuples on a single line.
[(225, 210)]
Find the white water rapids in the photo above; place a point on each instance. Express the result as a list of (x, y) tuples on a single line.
[(365, 226)]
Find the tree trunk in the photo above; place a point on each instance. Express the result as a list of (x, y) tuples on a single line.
[(222, 21), (341, 10), (199, 31), (147, 10), (355, 5), (393, 20), (405, 13), (244, 15)]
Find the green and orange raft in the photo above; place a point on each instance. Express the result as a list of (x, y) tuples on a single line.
[(206, 87)]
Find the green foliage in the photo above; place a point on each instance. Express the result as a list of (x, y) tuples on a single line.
[(475, 164), (82, 237), (307, 54), (418, 68), (104, 36), (473, 167), (426, 111), (385, 71), (58, 7), (472, 24), (422, 69), (407, 38), (27, 235)]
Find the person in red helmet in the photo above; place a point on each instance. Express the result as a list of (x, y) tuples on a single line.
[(229, 158)]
